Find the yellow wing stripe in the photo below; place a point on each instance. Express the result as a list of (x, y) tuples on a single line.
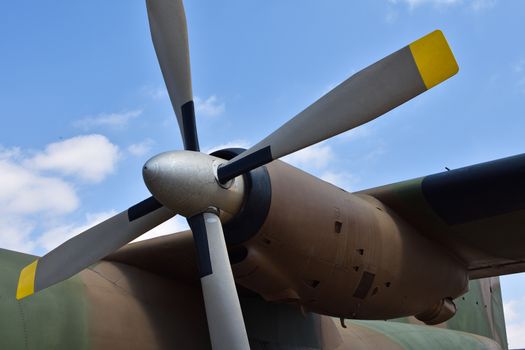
[(26, 282), (434, 59)]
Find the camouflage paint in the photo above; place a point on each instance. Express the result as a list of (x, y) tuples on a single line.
[(476, 212), (134, 309), (108, 306), (117, 306), (54, 319), (280, 326), (480, 311), (415, 337)]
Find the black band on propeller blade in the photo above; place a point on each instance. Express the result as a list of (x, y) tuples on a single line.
[(191, 140), (143, 208), (198, 228), (251, 161), (361, 98), (88, 247)]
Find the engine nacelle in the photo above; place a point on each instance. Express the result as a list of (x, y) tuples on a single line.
[(336, 253), (442, 311)]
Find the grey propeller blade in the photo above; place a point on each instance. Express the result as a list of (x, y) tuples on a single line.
[(363, 97), (90, 246), (223, 310), (167, 21)]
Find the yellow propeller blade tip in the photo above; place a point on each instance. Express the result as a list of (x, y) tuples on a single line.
[(434, 59), (26, 282)]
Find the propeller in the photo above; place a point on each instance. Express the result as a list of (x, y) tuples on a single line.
[(218, 287), (169, 33), (361, 98), (208, 190), (90, 246)]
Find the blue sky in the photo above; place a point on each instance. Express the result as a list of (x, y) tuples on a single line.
[(84, 104)]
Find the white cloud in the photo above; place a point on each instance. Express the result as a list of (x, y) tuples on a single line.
[(32, 201), (475, 5), (516, 335), (24, 191), (391, 16), (319, 161), (510, 309), (175, 224), (514, 324), (113, 120), (9, 153), (357, 133), (155, 93), (479, 5), (316, 156), (88, 157), (210, 107), (378, 151), (141, 148), (55, 236), (415, 3), (15, 233), (343, 180)]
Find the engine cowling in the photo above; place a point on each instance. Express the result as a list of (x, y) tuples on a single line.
[(339, 254)]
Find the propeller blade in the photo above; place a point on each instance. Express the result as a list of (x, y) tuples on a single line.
[(363, 97), (90, 246), (167, 22), (223, 310)]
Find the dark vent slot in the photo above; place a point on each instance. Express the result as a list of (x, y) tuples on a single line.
[(367, 279), (312, 283)]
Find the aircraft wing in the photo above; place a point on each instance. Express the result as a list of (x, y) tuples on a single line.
[(171, 256), (477, 212)]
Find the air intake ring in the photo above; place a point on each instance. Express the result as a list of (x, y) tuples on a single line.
[(256, 206)]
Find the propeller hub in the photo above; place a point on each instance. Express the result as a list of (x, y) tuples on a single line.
[(185, 182)]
